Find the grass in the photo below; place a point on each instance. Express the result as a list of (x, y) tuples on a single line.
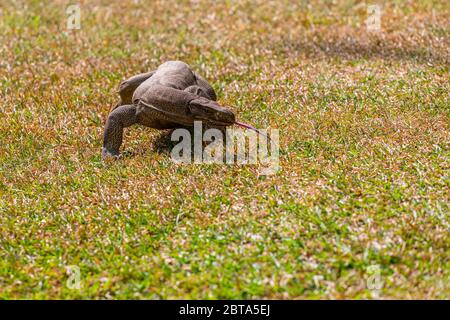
[(364, 138)]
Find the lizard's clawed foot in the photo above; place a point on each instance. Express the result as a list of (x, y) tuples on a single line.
[(110, 155)]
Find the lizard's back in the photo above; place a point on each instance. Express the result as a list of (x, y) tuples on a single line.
[(173, 74)]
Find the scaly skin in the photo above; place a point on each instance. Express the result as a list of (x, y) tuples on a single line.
[(170, 97)]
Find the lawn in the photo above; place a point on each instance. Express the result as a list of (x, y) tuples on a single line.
[(362, 196)]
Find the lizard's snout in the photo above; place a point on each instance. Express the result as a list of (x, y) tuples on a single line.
[(225, 116), (210, 111)]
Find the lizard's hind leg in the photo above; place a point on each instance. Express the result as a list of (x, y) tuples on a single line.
[(120, 118)]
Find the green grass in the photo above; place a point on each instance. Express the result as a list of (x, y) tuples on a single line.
[(364, 138)]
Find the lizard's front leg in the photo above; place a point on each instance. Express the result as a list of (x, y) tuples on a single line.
[(122, 117)]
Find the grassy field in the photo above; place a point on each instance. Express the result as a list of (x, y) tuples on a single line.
[(364, 152)]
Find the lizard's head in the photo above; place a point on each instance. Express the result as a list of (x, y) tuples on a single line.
[(210, 112)]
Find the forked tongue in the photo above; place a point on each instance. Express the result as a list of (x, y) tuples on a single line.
[(247, 126)]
